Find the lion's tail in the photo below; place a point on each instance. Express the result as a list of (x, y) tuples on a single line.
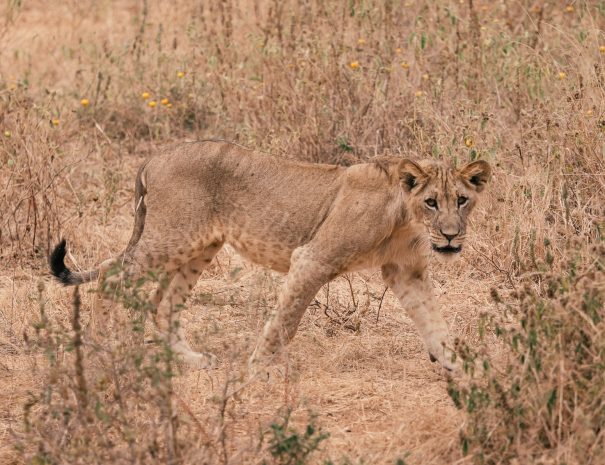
[(63, 274), (56, 260)]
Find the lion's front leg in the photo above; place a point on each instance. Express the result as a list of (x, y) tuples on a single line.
[(414, 291), (305, 278)]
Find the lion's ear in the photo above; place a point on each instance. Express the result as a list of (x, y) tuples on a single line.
[(411, 175), (476, 174)]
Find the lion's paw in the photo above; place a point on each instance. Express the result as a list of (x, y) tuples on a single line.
[(452, 368)]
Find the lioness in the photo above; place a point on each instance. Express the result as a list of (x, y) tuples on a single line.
[(313, 221)]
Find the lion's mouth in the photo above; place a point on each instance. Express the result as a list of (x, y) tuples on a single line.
[(447, 249)]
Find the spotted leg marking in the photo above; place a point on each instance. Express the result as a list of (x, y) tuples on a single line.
[(103, 318), (305, 278), (171, 301)]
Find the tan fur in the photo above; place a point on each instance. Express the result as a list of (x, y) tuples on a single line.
[(312, 221)]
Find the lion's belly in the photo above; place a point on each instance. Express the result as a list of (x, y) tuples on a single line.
[(266, 253)]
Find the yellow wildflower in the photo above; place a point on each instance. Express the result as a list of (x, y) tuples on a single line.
[(145, 95), (164, 101), (169, 105), (398, 51), (361, 41), (469, 142), (55, 122), (7, 134), (84, 102), (419, 93), (405, 65), (180, 74), (425, 76), (602, 48), (152, 104), (562, 75), (354, 64), (569, 8)]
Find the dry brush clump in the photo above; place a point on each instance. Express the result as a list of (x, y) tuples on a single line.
[(543, 403), (110, 397), (118, 408)]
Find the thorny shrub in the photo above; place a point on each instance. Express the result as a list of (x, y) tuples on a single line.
[(94, 391), (103, 401), (545, 402)]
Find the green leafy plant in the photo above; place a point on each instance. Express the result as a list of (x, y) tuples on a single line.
[(289, 446), (545, 399), (83, 411)]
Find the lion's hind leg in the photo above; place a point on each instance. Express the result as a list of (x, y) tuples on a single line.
[(114, 273), (171, 301)]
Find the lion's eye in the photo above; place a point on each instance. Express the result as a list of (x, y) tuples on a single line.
[(431, 203), (462, 200)]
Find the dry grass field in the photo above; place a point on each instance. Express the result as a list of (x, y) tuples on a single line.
[(90, 89)]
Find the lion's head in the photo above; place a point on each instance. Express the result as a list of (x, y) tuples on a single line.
[(442, 197)]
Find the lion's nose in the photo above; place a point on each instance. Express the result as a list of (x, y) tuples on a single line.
[(450, 236)]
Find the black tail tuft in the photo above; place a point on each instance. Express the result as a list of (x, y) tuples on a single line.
[(57, 264)]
